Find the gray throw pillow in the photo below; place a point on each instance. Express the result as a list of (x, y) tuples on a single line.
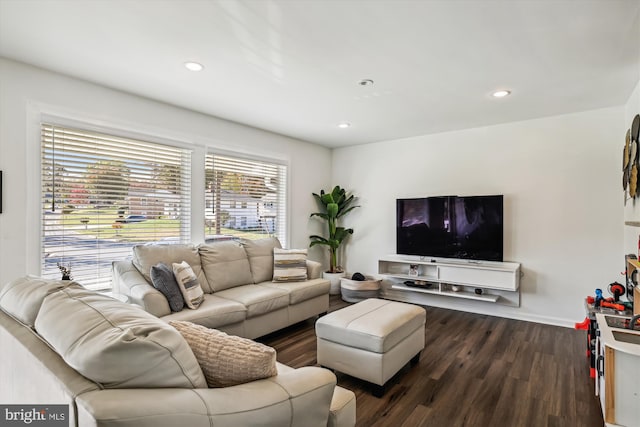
[(163, 280)]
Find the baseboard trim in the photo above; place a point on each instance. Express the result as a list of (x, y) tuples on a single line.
[(488, 311)]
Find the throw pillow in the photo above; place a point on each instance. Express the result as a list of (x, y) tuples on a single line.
[(289, 265), (227, 360), (163, 279), (189, 284)]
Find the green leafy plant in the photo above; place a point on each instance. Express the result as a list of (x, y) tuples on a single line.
[(334, 206)]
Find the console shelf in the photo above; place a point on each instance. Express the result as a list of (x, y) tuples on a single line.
[(457, 294), (486, 281)]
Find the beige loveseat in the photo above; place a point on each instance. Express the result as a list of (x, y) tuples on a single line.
[(113, 364), (236, 277)]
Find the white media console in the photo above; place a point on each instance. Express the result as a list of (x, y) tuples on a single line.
[(488, 281)]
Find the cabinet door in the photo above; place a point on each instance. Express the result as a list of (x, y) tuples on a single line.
[(599, 358), (627, 389), (484, 278), (608, 392)]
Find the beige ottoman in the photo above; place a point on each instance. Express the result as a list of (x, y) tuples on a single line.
[(371, 340)]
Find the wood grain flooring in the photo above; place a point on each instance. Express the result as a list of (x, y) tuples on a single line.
[(476, 370)]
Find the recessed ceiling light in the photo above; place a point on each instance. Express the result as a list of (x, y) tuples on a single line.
[(193, 66), (365, 82), (501, 93), (344, 125)]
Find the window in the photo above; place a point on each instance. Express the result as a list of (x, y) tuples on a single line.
[(103, 194), (259, 187)]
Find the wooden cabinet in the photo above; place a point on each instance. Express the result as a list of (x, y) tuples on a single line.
[(487, 281), (618, 376), (633, 291)]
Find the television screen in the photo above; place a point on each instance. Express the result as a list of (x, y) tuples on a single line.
[(451, 227)]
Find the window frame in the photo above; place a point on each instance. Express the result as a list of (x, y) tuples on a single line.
[(38, 112), (285, 209), (186, 195)]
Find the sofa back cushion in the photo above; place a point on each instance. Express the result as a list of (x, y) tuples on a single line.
[(116, 344), (146, 256), (225, 265), (260, 253), (22, 298)]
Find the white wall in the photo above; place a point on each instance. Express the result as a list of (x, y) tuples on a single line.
[(561, 178), (27, 92)]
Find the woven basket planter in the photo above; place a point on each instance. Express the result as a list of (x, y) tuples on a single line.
[(358, 290)]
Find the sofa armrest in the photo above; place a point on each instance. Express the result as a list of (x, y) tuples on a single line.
[(127, 280), (301, 397), (314, 269), (297, 398)]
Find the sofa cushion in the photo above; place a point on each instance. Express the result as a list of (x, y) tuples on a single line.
[(225, 265), (301, 291), (257, 299), (214, 312), (260, 253), (115, 344), (146, 256), (188, 284), (227, 360), (164, 280), (289, 265), (22, 298)]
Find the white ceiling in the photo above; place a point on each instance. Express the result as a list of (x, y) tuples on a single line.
[(293, 67)]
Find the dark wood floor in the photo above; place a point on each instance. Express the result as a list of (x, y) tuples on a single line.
[(476, 370)]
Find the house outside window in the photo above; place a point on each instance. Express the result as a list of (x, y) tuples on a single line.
[(103, 194), (249, 185)]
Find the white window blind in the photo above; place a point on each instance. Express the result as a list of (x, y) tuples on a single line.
[(103, 194), (244, 198)]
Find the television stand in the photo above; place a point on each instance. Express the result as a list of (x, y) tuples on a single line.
[(416, 279)]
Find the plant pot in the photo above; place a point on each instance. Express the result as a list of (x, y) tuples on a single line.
[(358, 290), (334, 278)]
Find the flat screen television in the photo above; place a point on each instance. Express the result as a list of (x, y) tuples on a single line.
[(468, 227)]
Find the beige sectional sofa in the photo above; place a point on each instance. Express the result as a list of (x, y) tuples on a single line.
[(114, 364), (236, 277)]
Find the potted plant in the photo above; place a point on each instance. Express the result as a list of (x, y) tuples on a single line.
[(334, 205), (65, 271)]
